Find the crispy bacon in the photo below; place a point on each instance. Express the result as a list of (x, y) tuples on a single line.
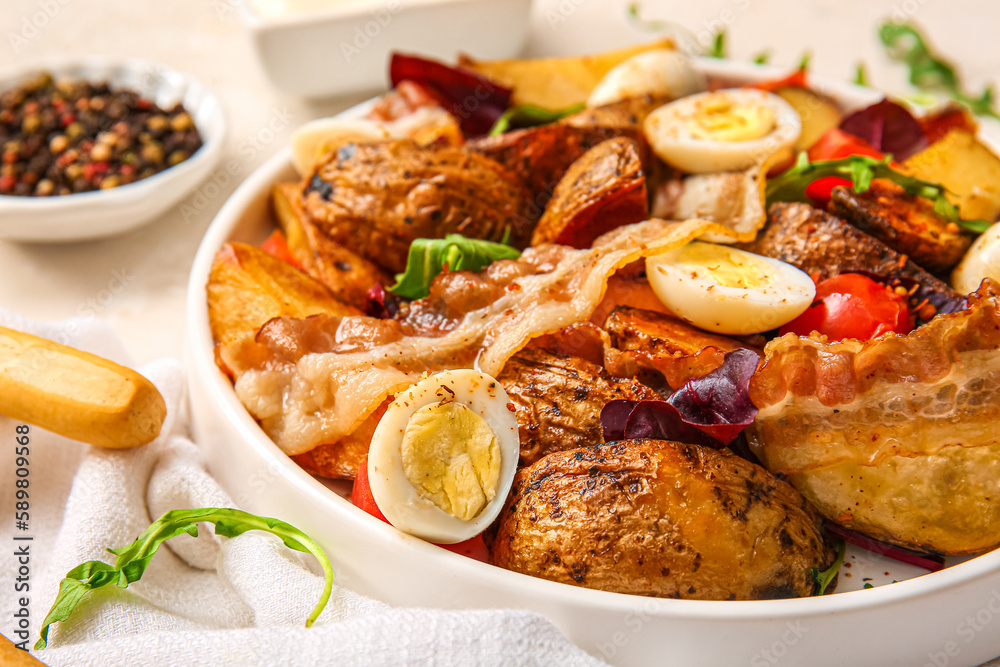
[(319, 386)]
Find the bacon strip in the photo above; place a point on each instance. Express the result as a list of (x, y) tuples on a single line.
[(316, 387)]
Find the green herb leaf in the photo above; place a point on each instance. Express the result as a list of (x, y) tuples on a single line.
[(929, 72), (867, 586), (634, 17), (132, 559), (823, 578), (429, 257), (762, 58), (861, 169), (528, 115), (860, 75), (804, 62), (718, 48)]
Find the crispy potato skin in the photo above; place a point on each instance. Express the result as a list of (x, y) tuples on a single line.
[(905, 223), (556, 83), (604, 189), (246, 288), (346, 274), (650, 341), (375, 198), (659, 518), (558, 400), (823, 245)]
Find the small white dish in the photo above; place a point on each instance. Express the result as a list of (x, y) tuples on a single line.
[(317, 49), (91, 215), (926, 618)]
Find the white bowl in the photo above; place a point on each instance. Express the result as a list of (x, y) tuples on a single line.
[(345, 48), (89, 215), (940, 618)]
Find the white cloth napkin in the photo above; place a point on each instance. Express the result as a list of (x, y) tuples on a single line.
[(207, 600)]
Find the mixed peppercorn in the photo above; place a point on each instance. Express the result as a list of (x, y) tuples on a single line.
[(61, 137)]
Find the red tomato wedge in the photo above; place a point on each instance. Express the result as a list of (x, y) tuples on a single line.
[(796, 79), (361, 496), (853, 306), (835, 144), (361, 493), (276, 245)]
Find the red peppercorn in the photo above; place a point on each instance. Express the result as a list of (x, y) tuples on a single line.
[(67, 119), (7, 183), (92, 170)]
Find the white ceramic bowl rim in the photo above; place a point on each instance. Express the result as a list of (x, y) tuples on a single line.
[(200, 352)]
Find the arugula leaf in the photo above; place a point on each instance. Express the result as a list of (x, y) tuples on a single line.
[(718, 48), (528, 115), (861, 75), (928, 72), (824, 577), (645, 24), (761, 58), (429, 257), (861, 169), (133, 559)]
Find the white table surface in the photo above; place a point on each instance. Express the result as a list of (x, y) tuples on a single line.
[(138, 281)]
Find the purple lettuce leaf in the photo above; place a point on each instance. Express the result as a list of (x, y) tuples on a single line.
[(711, 410), (888, 127), (475, 101)]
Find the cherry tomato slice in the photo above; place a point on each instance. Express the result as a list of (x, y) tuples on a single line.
[(361, 496), (361, 493), (853, 306), (277, 245), (835, 144)]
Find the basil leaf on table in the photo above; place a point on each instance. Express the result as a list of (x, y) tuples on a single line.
[(429, 257), (860, 170), (132, 559)]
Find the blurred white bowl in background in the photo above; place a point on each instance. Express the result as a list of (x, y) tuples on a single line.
[(323, 48)]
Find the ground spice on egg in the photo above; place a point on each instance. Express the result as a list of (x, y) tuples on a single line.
[(60, 137)]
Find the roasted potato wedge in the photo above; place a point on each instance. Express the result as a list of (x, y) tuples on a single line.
[(247, 287), (905, 223), (818, 114), (967, 168), (651, 517), (646, 341), (604, 189), (347, 275), (823, 245), (558, 400), (374, 199), (556, 83), (540, 156)]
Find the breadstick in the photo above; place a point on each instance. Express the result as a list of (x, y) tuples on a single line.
[(76, 394), (11, 656)]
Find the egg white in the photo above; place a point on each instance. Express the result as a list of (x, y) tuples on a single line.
[(397, 498), (982, 260), (670, 137), (661, 72), (693, 294)]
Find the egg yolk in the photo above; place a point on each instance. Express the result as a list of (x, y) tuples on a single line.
[(451, 456), (725, 266), (719, 119)]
